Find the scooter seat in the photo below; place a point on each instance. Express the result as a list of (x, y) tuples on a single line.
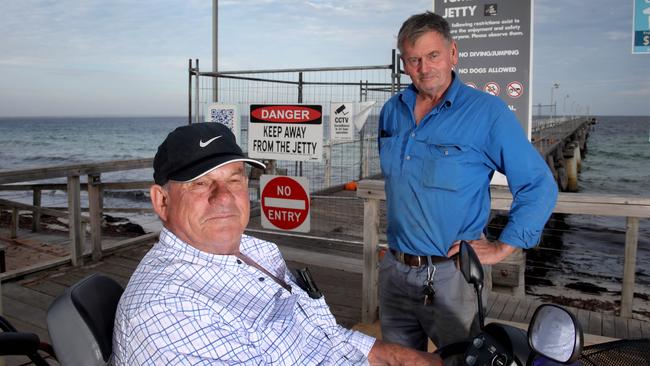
[(80, 321)]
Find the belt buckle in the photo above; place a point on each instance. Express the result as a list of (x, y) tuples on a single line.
[(412, 256), (419, 262)]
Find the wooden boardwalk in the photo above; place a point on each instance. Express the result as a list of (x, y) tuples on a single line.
[(25, 299)]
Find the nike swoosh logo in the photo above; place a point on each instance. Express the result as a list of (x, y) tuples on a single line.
[(204, 144)]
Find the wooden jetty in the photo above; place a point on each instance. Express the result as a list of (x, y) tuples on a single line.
[(563, 142)]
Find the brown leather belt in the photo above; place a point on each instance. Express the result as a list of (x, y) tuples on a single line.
[(416, 260)]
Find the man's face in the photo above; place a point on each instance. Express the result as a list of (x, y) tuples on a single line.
[(429, 62), (209, 213)]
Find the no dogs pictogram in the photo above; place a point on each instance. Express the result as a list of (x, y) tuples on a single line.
[(492, 88)]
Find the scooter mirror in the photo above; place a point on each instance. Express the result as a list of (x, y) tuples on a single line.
[(470, 266), (472, 270), (555, 334)]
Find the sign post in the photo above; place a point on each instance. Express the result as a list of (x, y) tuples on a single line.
[(285, 203), (494, 40)]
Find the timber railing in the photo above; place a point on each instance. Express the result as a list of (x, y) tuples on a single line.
[(73, 212), (632, 208)]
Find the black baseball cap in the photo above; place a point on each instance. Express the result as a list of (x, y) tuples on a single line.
[(191, 151)]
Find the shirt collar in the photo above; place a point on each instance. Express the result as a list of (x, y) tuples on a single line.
[(408, 95), (192, 254)]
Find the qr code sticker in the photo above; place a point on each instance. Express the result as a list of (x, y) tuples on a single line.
[(224, 116)]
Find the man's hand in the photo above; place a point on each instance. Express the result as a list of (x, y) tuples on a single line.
[(488, 252), (393, 354)]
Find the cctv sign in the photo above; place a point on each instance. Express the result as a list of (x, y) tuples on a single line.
[(341, 122)]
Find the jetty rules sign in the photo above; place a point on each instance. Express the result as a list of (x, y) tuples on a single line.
[(285, 203), (286, 132), (494, 48)]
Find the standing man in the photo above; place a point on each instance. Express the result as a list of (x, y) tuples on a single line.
[(207, 294), (440, 143)]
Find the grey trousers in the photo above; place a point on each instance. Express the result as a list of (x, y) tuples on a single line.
[(452, 317)]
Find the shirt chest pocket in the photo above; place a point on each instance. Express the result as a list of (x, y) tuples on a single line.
[(443, 166)]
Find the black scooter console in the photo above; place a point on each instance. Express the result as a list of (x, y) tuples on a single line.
[(499, 345)]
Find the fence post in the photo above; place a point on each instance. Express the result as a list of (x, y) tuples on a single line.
[(74, 220), (365, 159), (189, 95), (197, 100), (629, 266), (328, 164), (95, 207), (36, 213), (370, 256), (15, 218)]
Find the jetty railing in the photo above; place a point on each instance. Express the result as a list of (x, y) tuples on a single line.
[(632, 208), (76, 220)]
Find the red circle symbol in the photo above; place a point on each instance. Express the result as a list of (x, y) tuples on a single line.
[(285, 204), (492, 88), (515, 89)]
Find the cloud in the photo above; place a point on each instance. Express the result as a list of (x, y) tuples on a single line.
[(617, 35)]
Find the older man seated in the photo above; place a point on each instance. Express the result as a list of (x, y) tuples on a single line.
[(207, 294)]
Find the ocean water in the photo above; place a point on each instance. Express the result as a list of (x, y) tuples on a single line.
[(581, 256), (35, 142), (575, 250)]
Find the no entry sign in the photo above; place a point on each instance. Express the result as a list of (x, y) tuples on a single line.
[(285, 203)]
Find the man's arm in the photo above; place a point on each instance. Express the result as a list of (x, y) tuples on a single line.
[(394, 354), (534, 190)]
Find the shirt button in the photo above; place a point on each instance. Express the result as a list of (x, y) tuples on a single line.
[(446, 152), (408, 157), (238, 261), (413, 134), (261, 278)]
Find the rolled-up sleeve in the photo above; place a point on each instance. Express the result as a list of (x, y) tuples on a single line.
[(531, 182)]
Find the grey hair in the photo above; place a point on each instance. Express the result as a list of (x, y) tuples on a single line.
[(418, 24)]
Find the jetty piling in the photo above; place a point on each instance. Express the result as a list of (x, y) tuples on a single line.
[(563, 143)]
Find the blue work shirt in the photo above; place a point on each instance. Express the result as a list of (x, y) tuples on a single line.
[(437, 173)]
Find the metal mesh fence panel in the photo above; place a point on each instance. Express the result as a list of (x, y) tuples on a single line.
[(336, 213)]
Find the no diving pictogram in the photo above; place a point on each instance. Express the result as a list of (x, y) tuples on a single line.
[(285, 203)]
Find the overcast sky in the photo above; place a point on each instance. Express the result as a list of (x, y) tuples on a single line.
[(130, 58)]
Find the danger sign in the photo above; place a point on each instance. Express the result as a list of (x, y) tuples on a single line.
[(285, 203), (286, 132)]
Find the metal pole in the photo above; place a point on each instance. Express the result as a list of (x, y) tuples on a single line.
[(361, 135), (300, 101), (197, 115), (553, 111), (393, 72), (215, 49), (189, 94)]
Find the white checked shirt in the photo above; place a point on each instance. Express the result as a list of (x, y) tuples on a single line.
[(183, 306)]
